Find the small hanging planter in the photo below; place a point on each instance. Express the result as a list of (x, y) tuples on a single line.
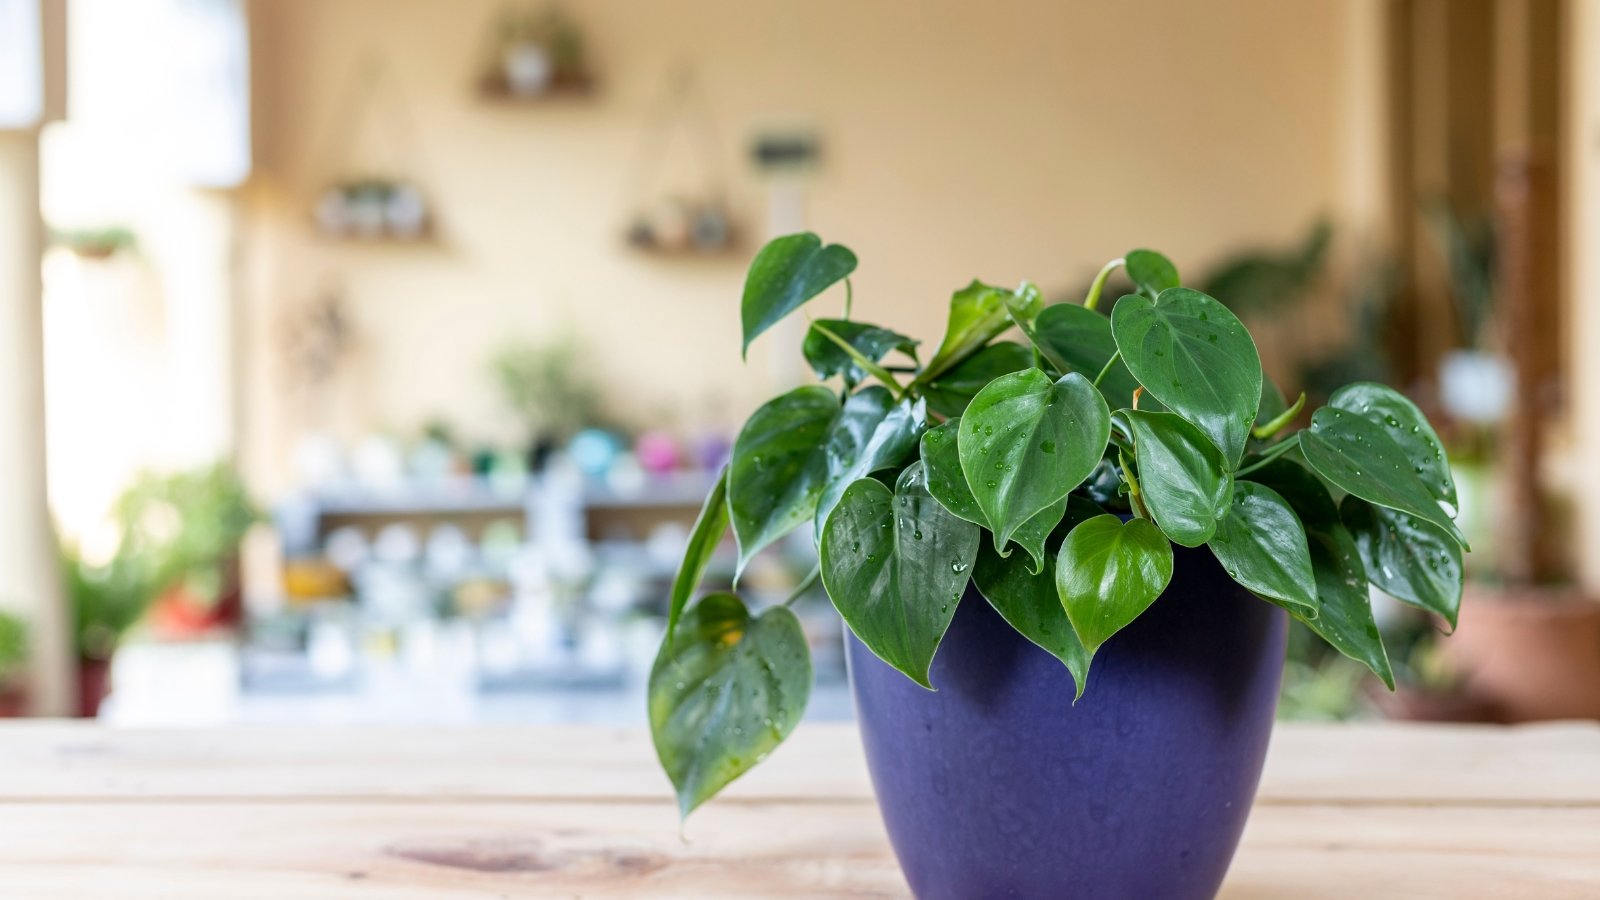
[(534, 54), (96, 244), (696, 222), (373, 209)]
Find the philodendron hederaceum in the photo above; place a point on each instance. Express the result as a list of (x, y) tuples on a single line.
[(1055, 470)]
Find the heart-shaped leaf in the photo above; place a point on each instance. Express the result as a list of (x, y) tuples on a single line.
[(1359, 456), (1344, 611), (1108, 572), (724, 691), (891, 440), (780, 461), (1082, 339), (1196, 357), (1406, 557), (707, 533), (895, 565), (942, 462), (1027, 441), (1150, 272), (1262, 545), (1185, 482), (828, 359), (1408, 427), (1030, 603), (979, 313), (949, 394), (786, 273)]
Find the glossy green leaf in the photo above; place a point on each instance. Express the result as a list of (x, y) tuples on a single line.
[(889, 443), (1186, 483), (895, 565), (1150, 272), (1262, 545), (707, 533), (949, 394), (946, 482), (1406, 557), (1196, 357), (786, 273), (1027, 441), (828, 359), (1359, 456), (1108, 572), (1082, 339), (779, 463), (1408, 427), (725, 690), (1030, 603), (979, 313), (1344, 611)]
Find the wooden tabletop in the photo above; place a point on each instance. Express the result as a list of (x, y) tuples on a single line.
[(1366, 811)]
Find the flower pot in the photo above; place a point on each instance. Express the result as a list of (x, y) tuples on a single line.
[(94, 684), (997, 785), (1531, 652)]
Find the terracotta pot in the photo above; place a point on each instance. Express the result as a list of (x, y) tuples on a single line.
[(94, 683), (1533, 653), (13, 701)]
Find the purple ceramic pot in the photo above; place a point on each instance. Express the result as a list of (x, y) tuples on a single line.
[(997, 785)]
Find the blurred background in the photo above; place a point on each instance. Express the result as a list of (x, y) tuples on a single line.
[(367, 360)]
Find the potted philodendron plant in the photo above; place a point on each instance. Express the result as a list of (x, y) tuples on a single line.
[(1066, 562)]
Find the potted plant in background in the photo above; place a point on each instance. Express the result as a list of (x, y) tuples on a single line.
[(107, 600), (1066, 563), (13, 665), (549, 388)]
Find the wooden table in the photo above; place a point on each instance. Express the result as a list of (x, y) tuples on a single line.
[(1365, 811)]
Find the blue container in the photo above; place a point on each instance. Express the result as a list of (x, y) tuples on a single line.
[(997, 785)]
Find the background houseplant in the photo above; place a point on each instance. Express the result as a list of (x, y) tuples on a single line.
[(1093, 445)]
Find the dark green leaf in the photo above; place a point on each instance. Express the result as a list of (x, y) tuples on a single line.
[(1108, 572), (889, 442), (786, 273), (946, 482), (1262, 545), (1406, 557), (724, 691), (1185, 481), (1150, 272), (949, 394), (1026, 442), (1082, 339), (978, 314), (1030, 603), (1407, 426), (780, 462), (703, 539), (1195, 357), (828, 359), (1359, 456), (895, 565)]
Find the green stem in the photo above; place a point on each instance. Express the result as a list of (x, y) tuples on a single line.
[(804, 585), (860, 359), (849, 297), (1135, 498), (1093, 299), (1109, 363), (1262, 432), (1272, 453)]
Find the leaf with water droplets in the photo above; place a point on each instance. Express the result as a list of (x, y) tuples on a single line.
[(858, 449), (949, 394), (786, 273), (1082, 339), (979, 313), (1410, 559), (1186, 483), (1262, 545), (708, 530), (780, 460), (896, 591), (948, 484), (1028, 600), (1108, 572), (1407, 426), (871, 341), (724, 691)]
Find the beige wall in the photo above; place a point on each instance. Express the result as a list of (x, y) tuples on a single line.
[(1003, 140)]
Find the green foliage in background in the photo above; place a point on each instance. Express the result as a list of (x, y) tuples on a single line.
[(548, 387), (13, 648), (1092, 445)]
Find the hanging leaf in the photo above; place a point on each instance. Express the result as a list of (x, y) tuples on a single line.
[(1150, 272), (891, 440), (978, 314), (1082, 339), (1406, 557), (1196, 357), (1359, 456), (949, 394), (725, 690), (1184, 480), (828, 359), (703, 540), (1108, 572), (1408, 427), (946, 482), (1262, 545), (1029, 602), (1027, 441), (786, 273), (780, 461), (895, 565)]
